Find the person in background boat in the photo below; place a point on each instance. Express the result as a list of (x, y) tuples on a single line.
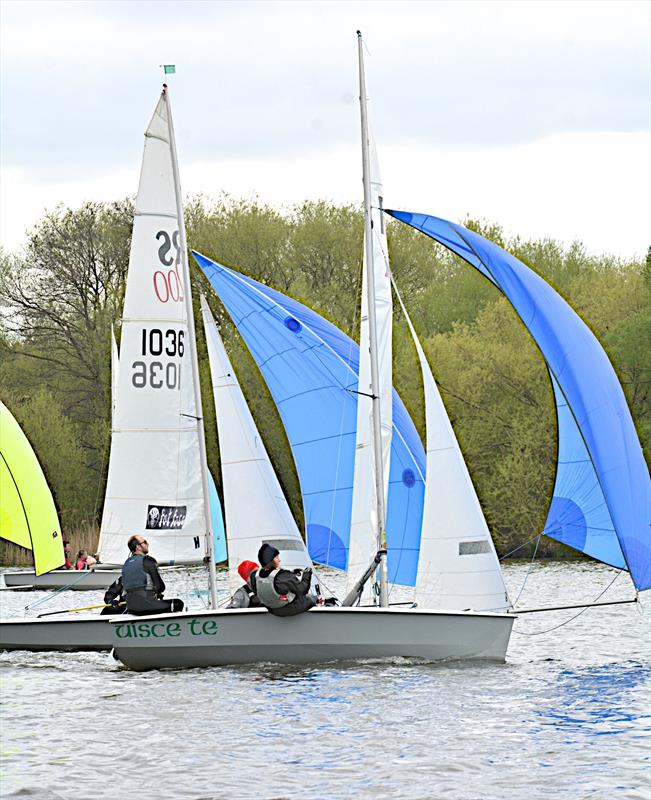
[(81, 560), (142, 583), (90, 562), (66, 553), (245, 596), (115, 599), (282, 592)]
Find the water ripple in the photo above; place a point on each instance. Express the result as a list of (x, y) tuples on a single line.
[(566, 718)]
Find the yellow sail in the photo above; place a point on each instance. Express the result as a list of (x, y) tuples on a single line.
[(28, 516)]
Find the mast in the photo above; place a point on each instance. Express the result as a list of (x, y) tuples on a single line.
[(370, 287), (212, 572)]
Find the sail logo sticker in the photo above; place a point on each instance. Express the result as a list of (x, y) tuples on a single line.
[(165, 517)]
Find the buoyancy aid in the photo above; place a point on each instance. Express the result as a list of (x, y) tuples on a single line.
[(266, 591), (134, 575)]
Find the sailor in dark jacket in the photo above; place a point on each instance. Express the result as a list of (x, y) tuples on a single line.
[(142, 582), (282, 592), (114, 599)]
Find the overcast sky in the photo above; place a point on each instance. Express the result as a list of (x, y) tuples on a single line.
[(534, 115)]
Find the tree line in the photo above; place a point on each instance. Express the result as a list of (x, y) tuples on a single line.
[(60, 296)]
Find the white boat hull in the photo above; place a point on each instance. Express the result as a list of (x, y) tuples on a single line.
[(78, 580), (219, 638), (72, 634)]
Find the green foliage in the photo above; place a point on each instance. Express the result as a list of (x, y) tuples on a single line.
[(498, 396), (58, 302)]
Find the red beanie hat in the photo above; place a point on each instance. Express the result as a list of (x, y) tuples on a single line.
[(246, 568)]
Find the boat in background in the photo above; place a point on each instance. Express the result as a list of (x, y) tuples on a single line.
[(156, 484), (28, 516), (60, 579), (158, 478)]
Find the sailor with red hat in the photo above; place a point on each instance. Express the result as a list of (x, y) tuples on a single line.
[(245, 596)]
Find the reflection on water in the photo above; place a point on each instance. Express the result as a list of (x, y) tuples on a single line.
[(567, 717)]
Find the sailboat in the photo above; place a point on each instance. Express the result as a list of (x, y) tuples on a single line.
[(155, 485), (28, 516), (350, 631), (158, 482)]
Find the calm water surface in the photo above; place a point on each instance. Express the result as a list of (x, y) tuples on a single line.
[(567, 716)]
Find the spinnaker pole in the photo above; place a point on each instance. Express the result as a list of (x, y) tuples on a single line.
[(372, 325), (212, 572)]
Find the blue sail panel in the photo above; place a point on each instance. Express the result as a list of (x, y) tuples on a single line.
[(311, 370), (608, 492), (578, 515)]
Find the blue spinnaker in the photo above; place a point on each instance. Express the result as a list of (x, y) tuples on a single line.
[(601, 503), (217, 518), (311, 370)]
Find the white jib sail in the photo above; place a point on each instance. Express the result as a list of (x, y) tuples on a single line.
[(458, 567), (154, 484), (255, 507), (363, 532), (115, 373)]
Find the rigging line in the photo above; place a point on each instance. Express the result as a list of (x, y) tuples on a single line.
[(571, 619), (524, 583), (325, 585), (520, 546), (48, 597)]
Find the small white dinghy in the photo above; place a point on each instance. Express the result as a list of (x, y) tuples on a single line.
[(246, 636), (70, 579), (600, 503), (220, 637)]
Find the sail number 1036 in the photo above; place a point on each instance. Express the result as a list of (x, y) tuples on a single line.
[(159, 374)]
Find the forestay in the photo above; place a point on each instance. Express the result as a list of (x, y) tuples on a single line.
[(28, 516), (256, 509), (601, 503), (311, 368), (155, 484)]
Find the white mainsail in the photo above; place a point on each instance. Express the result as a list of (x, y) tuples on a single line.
[(255, 507), (155, 484), (364, 518), (458, 567)]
